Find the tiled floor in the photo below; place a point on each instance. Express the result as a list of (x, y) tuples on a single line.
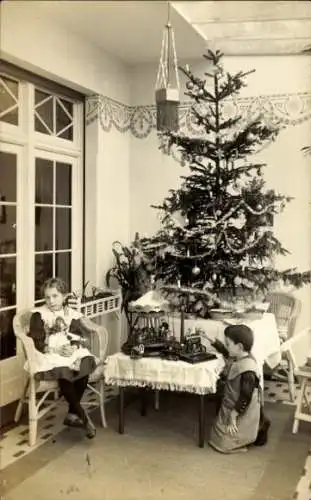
[(14, 443)]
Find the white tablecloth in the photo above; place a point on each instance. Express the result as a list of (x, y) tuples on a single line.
[(199, 378), (163, 374)]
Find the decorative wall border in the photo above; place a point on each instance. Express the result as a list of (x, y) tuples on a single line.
[(140, 121)]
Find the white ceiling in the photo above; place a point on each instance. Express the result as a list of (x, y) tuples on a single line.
[(251, 27), (132, 30)]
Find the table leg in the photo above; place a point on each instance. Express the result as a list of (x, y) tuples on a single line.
[(144, 402), (201, 421), (156, 399), (121, 410)]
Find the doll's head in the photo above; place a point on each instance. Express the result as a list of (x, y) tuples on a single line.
[(239, 340), (54, 291), (59, 326)]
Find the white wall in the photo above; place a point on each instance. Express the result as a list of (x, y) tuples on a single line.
[(274, 75), (288, 171), (33, 41)]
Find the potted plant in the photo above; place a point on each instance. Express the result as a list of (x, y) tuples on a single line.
[(130, 270), (96, 293)]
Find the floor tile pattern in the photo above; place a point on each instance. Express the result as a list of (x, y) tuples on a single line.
[(14, 443)]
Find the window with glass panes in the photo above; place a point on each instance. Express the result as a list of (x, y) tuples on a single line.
[(53, 215)]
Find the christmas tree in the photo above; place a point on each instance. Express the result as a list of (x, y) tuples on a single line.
[(216, 230)]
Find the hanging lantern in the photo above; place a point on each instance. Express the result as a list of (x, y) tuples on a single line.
[(167, 83)]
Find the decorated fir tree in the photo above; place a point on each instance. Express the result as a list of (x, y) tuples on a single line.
[(216, 230)]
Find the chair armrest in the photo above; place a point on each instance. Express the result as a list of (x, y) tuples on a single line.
[(30, 352), (98, 338)]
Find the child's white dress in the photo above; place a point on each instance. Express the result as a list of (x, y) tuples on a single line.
[(51, 365)]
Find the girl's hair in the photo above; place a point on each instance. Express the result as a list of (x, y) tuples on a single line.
[(240, 334), (57, 283)]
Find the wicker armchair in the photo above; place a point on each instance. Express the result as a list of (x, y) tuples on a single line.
[(36, 392), (286, 309)]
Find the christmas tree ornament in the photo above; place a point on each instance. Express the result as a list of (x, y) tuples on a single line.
[(239, 223), (237, 281), (167, 82), (196, 270), (198, 306), (190, 85)]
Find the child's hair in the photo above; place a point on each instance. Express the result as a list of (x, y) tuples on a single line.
[(57, 283), (240, 334)]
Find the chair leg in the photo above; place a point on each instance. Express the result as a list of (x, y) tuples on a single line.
[(299, 402), (32, 413), (291, 382), (102, 402), (19, 409)]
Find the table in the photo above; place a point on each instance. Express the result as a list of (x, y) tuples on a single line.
[(162, 374), (200, 378)]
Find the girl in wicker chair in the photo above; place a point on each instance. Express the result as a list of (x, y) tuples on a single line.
[(58, 335)]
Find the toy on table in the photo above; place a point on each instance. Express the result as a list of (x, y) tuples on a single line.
[(152, 338)]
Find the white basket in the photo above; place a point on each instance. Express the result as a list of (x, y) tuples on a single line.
[(99, 307)]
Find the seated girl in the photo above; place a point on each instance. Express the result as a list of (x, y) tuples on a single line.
[(58, 335), (240, 420)]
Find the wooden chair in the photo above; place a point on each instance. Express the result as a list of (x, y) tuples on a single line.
[(286, 309), (36, 392), (298, 350)]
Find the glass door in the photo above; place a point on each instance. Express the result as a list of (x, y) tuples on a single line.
[(13, 279), (8, 250)]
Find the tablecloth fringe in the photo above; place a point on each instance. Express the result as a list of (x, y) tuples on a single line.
[(158, 386)]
